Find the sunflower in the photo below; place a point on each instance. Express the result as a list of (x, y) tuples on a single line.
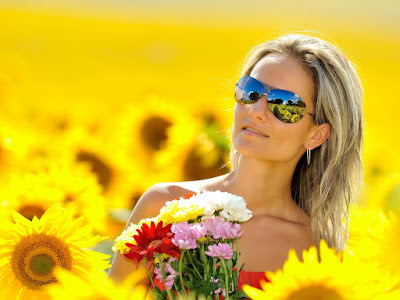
[(295, 118), (31, 249), (383, 192), (328, 278), (155, 134), (98, 287), (151, 240), (374, 237), (376, 164), (56, 181), (206, 155), (16, 146)]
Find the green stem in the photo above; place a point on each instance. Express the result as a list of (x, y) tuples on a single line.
[(237, 263), (226, 278), (205, 262), (180, 271), (194, 266), (214, 267), (148, 273), (164, 276)]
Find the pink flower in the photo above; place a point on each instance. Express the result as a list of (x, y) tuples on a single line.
[(184, 242), (169, 272), (182, 227), (228, 230), (212, 223), (184, 237), (222, 250), (199, 230), (218, 290)]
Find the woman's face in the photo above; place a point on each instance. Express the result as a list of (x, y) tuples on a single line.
[(283, 141)]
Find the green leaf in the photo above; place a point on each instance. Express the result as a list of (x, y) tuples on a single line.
[(205, 287)]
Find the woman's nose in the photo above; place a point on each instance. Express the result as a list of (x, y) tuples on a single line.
[(259, 110)]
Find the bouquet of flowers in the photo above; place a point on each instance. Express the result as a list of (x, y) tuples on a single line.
[(193, 245)]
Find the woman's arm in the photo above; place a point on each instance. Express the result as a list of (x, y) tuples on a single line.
[(148, 206)]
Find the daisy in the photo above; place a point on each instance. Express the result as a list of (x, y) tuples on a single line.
[(151, 240)]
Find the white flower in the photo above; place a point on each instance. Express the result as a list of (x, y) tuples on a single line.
[(231, 207)]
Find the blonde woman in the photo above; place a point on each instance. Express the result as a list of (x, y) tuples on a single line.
[(297, 139)]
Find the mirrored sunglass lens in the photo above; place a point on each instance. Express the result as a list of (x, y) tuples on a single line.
[(286, 106), (248, 90)]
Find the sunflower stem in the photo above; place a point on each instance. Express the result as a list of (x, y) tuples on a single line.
[(164, 276)]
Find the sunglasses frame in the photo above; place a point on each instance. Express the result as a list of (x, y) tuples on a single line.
[(266, 91)]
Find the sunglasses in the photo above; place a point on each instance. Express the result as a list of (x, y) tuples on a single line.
[(285, 105)]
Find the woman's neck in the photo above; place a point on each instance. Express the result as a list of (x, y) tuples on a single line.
[(266, 187)]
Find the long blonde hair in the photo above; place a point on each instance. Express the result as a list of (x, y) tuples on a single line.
[(333, 180)]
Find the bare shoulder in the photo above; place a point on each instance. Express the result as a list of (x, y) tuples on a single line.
[(154, 199)]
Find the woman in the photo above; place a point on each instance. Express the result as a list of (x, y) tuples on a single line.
[(296, 158)]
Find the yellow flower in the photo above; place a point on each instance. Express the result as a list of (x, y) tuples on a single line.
[(375, 239), (383, 192), (295, 118), (31, 249), (54, 181), (328, 278), (73, 287), (179, 211), (154, 134), (389, 245)]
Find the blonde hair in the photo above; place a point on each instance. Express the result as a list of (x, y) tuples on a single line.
[(333, 180)]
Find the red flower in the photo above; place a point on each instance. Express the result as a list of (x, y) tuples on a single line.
[(150, 241)]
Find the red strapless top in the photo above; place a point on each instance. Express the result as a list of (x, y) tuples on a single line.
[(251, 278)]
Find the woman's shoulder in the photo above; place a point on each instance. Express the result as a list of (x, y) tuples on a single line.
[(174, 190), (154, 198)]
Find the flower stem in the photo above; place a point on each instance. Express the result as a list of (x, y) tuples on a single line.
[(180, 270), (164, 276), (148, 273), (205, 262), (194, 266), (226, 278)]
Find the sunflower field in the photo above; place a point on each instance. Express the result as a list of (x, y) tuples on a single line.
[(98, 102)]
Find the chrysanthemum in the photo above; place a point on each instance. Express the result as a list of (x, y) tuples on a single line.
[(31, 249), (150, 241), (73, 287), (328, 278), (221, 250), (231, 207), (180, 210)]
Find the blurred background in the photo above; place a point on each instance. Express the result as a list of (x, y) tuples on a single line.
[(101, 99)]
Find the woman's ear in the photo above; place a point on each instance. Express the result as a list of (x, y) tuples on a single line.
[(319, 135)]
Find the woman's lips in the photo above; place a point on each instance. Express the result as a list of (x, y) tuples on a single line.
[(254, 132)]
